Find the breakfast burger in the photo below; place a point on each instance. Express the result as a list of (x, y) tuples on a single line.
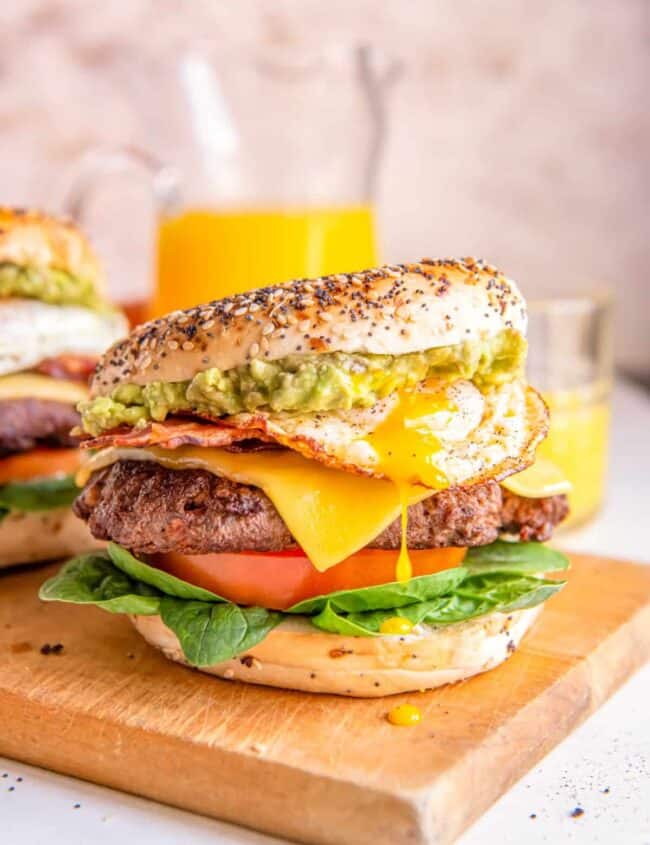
[(323, 485), (53, 326)]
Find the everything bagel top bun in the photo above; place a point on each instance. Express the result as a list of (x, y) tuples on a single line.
[(391, 310)]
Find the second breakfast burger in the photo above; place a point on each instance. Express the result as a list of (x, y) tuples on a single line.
[(318, 485), (54, 323)]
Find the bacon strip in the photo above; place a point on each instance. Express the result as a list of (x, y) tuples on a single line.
[(173, 433), (68, 367)]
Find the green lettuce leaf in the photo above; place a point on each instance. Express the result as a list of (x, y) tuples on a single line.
[(40, 495), (212, 632), (92, 579), (384, 596), (168, 584), (525, 558)]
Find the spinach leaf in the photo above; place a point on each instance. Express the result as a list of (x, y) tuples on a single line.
[(476, 596), (509, 592), (92, 579), (339, 623), (39, 495), (384, 596), (502, 556), (163, 581), (3, 513), (499, 577), (211, 633)]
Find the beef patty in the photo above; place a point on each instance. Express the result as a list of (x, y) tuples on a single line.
[(26, 423), (148, 508)]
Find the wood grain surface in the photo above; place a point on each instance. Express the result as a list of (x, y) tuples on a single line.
[(317, 769)]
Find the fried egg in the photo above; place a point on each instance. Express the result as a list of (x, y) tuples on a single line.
[(438, 436), (33, 330)]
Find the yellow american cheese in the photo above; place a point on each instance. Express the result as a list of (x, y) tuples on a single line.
[(541, 479), (331, 513), (37, 386)]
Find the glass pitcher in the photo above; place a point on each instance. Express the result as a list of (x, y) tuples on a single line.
[(263, 165)]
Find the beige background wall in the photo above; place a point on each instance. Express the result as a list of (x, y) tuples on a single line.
[(520, 130)]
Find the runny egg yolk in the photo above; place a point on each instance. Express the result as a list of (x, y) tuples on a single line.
[(405, 445)]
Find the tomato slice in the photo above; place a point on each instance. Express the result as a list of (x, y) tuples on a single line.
[(38, 463), (279, 580)]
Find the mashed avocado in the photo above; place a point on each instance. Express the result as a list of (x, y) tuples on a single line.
[(326, 382), (56, 287)]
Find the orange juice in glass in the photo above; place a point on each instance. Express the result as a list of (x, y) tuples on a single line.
[(570, 361)]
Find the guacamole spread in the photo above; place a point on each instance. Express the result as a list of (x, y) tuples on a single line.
[(325, 382), (56, 287)]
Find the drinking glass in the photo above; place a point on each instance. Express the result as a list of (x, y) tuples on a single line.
[(570, 362)]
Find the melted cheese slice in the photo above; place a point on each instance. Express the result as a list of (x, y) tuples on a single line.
[(37, 386), (332, 514), (541, 479)]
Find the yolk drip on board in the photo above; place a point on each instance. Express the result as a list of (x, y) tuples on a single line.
[(406, 446), (404, 715)]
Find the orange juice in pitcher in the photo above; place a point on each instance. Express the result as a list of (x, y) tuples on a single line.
[(263, 164), (206, 254)]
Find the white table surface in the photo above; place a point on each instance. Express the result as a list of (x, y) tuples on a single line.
[(603, 767)]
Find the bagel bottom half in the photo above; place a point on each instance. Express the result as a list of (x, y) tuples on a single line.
[(296, 655), (31, 537)]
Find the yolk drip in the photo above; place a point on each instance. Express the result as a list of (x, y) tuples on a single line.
[(405, 715), (403, 569), (396, 625), (406, 446)]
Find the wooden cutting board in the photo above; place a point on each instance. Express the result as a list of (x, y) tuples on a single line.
[(318, 769)]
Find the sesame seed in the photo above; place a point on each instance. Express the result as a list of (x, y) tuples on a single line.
[(188, 345), (172, 344), (254, 350), (239, 312)]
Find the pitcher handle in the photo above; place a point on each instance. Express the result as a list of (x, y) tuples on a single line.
[(164, 180), (378, 73)]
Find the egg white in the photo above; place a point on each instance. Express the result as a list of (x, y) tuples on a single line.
[(32, 330)]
